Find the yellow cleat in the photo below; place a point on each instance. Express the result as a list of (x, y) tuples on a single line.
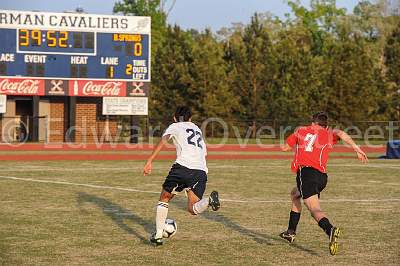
[(333, 244)]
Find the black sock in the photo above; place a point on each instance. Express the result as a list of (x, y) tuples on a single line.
[(293, 221), (325, 225)]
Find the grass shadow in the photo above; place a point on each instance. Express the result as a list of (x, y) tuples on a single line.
[(118, 215), (258, 237)]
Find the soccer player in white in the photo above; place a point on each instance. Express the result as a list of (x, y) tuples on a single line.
[(189, 172)]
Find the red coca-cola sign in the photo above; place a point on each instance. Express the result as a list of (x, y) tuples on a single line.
[(94, 88), (21, 86)]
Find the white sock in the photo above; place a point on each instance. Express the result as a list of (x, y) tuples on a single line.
[(161, 215), (200, 206)]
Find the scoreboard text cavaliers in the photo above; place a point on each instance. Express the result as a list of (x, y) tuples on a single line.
[(62, 55)]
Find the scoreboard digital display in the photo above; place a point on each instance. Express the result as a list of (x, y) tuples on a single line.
[(74, 47), (55, 42)]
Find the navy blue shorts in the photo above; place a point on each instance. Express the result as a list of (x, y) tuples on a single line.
[(181, 177)]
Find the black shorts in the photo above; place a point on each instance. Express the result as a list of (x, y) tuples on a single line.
[(310, 181), (181, 177)]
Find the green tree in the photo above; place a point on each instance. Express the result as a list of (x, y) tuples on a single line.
[(353, 86), (171, 78), (392, 61), (299, 84), (320, 19), (368, 19), (251, 69), (210, 84), (318, 59)]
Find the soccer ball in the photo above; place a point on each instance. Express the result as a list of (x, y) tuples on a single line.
[(169, 228)]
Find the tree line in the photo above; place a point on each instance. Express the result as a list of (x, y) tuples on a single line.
[(315, 58)]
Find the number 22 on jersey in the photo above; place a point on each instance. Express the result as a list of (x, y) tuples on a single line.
[(309, 141), (192, 135)]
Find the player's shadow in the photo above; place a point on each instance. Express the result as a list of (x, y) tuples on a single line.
[(117, 214), (258, 237)]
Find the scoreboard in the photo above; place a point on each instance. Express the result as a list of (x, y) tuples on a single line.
[(77, 54)]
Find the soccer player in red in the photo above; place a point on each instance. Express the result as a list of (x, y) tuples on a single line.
[(312, 145)]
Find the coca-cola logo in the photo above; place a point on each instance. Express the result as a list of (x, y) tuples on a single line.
[(107, 89), (26, 86)]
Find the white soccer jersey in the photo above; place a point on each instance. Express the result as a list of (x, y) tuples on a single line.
[(191, 150)]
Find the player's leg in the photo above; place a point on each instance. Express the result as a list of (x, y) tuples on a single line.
[(162, 211), (161, 216), (294, 216), (314, 183), (314, 207), (333, 233), (296, 209), (172, 183), (196, 203)]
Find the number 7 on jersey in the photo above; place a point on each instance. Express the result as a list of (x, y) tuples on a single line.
[(310, 140)]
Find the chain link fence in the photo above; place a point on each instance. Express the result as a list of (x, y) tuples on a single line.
[(276, 129), (21, 129)]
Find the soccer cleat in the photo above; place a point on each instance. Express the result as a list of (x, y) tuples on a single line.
[(156, 241), (213, 201), (289, 236), (333, 244)]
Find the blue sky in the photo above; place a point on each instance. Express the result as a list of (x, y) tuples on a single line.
[(197, 14)]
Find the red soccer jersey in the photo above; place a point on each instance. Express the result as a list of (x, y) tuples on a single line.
[(313, 144)]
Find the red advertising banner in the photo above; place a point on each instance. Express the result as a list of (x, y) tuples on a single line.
[(82, 88), (22, 86), (96, 88)]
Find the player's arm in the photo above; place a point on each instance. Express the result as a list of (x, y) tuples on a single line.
[(147, 167), (347, 139), (290, 142), (286, 147)]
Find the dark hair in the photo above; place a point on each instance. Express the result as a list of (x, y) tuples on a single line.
[(320, 118), (182, 114)]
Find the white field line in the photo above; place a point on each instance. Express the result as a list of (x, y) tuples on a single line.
[(77, 184), (157, 192), (44, 168), (385, 166)]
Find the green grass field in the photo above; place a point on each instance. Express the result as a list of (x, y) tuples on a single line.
[(89, 213)]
